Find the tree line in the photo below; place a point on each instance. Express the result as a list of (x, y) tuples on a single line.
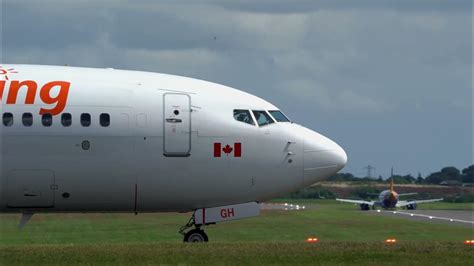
[(448, 175)]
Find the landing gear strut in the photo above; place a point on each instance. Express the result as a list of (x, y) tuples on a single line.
[(195, 235), (207, 216)]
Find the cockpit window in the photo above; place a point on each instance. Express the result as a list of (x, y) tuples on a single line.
[(262, 118), (279, 116), (243, 116)]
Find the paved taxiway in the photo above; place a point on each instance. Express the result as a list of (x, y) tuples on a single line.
[(455, 217), (282, 206)]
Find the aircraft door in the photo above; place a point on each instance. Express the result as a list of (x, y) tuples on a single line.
[(177, 124), (30, 188)]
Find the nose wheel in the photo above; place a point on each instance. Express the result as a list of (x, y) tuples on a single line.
[(196, 235)]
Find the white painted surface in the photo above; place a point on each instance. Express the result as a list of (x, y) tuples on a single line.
[(226, 213), (125, 166)]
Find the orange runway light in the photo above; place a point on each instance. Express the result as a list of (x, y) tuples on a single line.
[(469, 242), (312, 240), (390, 241)]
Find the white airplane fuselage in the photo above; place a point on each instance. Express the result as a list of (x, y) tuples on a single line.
[(167, 143)]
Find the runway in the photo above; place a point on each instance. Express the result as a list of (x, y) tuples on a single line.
[(282, 206), (455, 217)]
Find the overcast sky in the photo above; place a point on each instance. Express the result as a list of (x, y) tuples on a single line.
[(390, 81)]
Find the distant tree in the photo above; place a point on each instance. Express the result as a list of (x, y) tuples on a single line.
[(366, 179), (435, 178), (419, 179), (468, 174), (452, 173), (409, 178), (447, 173), (406, 179)]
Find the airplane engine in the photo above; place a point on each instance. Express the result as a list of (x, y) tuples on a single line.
[(364, 207), (411, 206)]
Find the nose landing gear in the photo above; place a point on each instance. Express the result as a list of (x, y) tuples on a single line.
[(207, 216), (196, 235)]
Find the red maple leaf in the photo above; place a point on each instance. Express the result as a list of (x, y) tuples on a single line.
[(227, 149)]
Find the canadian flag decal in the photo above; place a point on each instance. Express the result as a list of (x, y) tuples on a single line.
[(236, 149)]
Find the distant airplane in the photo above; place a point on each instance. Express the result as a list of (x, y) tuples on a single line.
[(105, 140), (389, 199)]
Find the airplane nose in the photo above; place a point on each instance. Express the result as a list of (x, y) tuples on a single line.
[(322, 157), (339, 157)]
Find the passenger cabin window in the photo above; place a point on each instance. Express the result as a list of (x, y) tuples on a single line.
[(279, 116), (105, 120), (27, 119), (7, 119), (262, 118), (47, 120), (244, 116), (66, 119), (85, 120)]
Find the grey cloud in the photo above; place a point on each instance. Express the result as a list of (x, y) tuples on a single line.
[(46, 25), (155, 30), (304, 6)]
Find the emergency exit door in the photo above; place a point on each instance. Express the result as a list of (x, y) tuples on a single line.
[(177, 124)]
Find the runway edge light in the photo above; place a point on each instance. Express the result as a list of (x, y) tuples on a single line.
[(312, 240), (469, 242), (390, 241)]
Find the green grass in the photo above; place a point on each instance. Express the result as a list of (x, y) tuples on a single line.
[(346, 235), (446, 206), (297, 253)]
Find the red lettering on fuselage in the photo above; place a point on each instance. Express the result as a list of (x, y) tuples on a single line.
[(15, 86), (2, 88), (227, 213), (45, 94)]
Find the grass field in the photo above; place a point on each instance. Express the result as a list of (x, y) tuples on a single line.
[(346, 236), (446, 206), (332, 253)]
